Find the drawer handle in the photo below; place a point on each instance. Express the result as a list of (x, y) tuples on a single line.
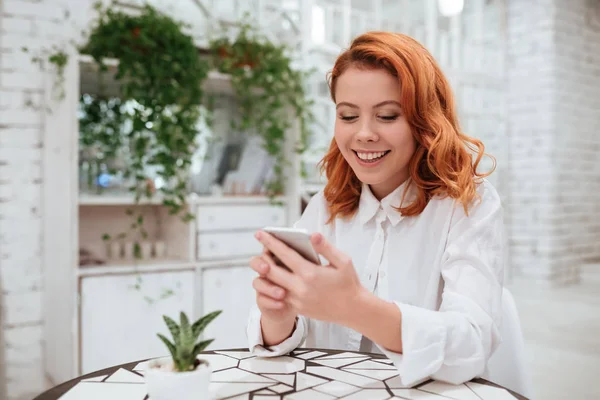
[(212, 245), (211, 218)]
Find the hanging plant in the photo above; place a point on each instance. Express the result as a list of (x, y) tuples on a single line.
[(101, 137), (160, 77), (267, 87)]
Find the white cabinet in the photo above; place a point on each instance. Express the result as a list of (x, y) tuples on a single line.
[(222, 245), (101, 318), (119, 322), (239, 216), (229, 289), (226, 231), (121, 302)]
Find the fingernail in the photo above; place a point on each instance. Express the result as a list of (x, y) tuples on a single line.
[(264, 267), (257, 235)]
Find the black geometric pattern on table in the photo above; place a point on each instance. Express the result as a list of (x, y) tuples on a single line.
[(306, 374)]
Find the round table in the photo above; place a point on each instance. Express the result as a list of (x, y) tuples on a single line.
[(305, 374)]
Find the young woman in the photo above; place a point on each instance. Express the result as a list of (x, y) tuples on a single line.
[(412, 232)]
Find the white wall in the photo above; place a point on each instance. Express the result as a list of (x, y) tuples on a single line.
[(554, 103), (577, 125), (20, 192), (36, 25)]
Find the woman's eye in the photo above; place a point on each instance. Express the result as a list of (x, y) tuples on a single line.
[(348, 118), (389, 117)]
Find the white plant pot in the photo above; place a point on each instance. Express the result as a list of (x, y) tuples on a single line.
[(162, 383)]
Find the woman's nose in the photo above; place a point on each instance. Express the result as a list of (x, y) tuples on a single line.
[(366, 134)]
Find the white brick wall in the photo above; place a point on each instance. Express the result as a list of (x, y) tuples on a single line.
[(36, 25), (578, 118), (530, 49), (33, 24), (554, 103)]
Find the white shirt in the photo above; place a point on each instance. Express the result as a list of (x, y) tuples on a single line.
[(442, 268)]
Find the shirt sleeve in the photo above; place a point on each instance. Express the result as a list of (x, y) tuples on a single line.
[(255, 339), (309, 221), (453, 344)]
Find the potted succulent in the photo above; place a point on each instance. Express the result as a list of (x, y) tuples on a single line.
[(183, 375)]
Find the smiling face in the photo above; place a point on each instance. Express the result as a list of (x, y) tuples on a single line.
[(371, 130)]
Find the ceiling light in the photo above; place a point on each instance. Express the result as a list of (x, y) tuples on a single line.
[(450, 8)]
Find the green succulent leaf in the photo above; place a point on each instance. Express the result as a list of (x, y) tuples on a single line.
[(184, 324), (185, 334), (173, 328), (169, 345), (203, 322), (202, 345)]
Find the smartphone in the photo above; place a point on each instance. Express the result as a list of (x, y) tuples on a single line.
[(297, 239)]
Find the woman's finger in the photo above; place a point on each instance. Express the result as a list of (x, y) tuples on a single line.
[(267, 288), (271, 259), (289, 257), (260, 265), (267, 303)]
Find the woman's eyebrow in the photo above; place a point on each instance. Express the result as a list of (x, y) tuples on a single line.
[(383, 103)]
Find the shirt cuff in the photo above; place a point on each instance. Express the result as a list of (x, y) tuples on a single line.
[(423, 343), (256, 343)]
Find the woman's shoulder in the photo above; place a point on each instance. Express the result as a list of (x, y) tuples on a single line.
[(486, 195), (315, 213), (317, 201)]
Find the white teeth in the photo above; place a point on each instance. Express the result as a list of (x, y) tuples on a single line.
[(370, 156)]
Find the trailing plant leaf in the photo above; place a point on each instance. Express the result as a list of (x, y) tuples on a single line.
[(160, 77), (267, 87)]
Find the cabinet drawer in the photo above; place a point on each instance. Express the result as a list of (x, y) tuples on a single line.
[(221, 245), (239, 216)]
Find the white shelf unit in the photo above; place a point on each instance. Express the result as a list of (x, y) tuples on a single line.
[(102, 315)]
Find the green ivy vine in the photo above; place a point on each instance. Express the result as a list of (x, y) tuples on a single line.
[(153, 122), (267, 87), (160, 79), (59, 59)]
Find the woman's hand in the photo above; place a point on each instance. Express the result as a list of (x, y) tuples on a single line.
[(269, 297), (324, 293), (277, 317)]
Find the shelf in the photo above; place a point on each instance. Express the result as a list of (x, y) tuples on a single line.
[(113, 200), (123, 200), (229, 263), (145, 266), (135, 266), (237, 199), (216, 82)]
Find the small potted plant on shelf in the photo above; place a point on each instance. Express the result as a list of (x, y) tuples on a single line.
[(183, 375)]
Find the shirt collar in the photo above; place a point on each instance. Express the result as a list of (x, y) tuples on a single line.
[(369, 205)]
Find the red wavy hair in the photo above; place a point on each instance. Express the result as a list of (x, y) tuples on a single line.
[(442, 163)]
